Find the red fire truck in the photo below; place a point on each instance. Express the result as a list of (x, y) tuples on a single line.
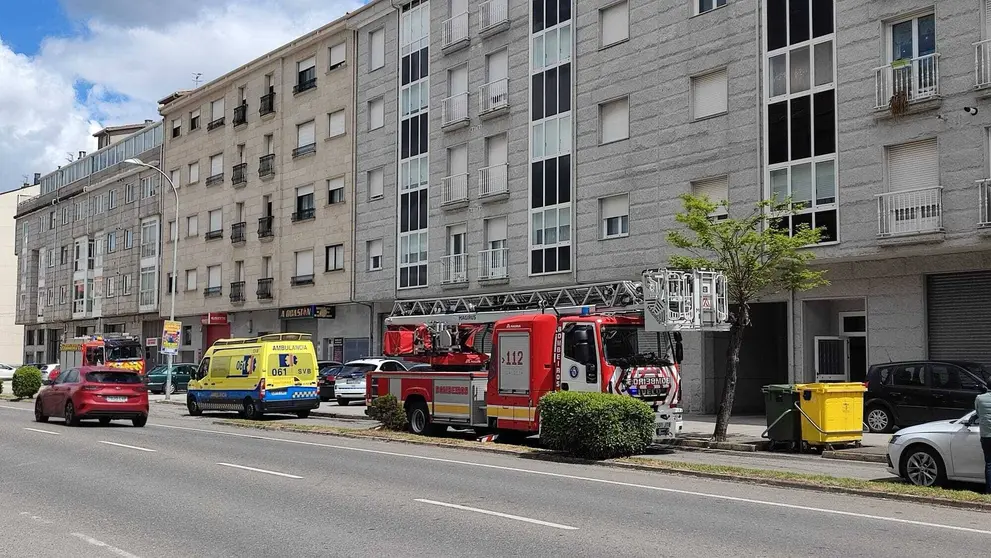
[(117, 350), (492, 357)]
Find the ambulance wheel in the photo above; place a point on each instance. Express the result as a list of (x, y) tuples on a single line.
[(418, 417), (303, 414), (193, 407), (250, 410)]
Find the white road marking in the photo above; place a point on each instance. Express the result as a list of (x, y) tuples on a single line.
[(499, 514), (35, 517), (276, 473), (16, 408), (601, 481), (126, 446), (42, 431), (104, 545)]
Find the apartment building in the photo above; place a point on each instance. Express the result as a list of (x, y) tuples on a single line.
[(12, 341), (88, 246), (539, 144), (262, 160)]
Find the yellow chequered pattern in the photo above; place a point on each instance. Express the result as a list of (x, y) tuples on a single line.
[(135, 365)]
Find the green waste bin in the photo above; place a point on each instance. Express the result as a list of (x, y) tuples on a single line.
[(784, 423)]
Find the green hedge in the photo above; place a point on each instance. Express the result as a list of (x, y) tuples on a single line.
[(26, 382), (387, 410), (595, 425)]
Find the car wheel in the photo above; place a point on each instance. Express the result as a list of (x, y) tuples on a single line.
[(104, 421), (140, 421), (173, 389), (38, 415), (922, 466), (879, 419), (342, 402), (250, 409), (193, 407), (70, 415), (303, 414)]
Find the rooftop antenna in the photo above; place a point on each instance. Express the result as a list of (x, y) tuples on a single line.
[(69, 156), (196, 79)]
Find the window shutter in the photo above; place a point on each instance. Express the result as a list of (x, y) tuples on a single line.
[(216, 220), (495, 229), (306, 134), (375, 249), (214, 276), (615, 206), (615, 23), (913, 165), (217, 164), (336, 127), (335, 183), (307, 64), (304, 191), (615, 120), (194, 172), (337, 53), (709, 94), (304, 263), (375, 183), (377, 39), (376, 114), (218, 109), (497, 65), (716, 189)]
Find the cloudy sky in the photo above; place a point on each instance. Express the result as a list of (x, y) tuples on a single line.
[(70, 67)]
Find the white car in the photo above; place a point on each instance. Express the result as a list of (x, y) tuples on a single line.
[(350, 383), (6, 372), (931, 454)]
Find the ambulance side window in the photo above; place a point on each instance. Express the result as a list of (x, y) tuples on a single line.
[(202, 370)]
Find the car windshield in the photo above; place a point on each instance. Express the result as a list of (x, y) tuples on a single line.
[(330, 370), (113, 378), (628, 344), (124, 352), (355, 369)]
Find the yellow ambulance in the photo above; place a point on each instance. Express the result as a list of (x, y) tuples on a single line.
[(274, 373)]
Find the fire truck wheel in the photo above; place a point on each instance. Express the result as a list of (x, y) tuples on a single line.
[(418, 417), (193, 407)]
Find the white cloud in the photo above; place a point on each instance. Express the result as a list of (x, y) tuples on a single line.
[(138, 53)]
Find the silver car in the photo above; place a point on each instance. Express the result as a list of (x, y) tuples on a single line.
[(935, 452)]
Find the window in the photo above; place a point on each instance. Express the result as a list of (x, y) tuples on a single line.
[(65, 215), (305, 135), (217, 110), (63, 294), (91, 247), (51, 298), (335, 190), (912, 375), (717, 190), (112, 197), (217, 165), (213, 277), (125, 284), (149, 187), (614, 120), (78, 297), (128, 193), (304, 267), (702, 6), (110, 287), (176, 127), (376, 114), (306, 74), (187, 335), (174, 177), (334, 258), (194, 120), (128, 239), (191, 280), (374, 255), (614, 213), (376, 183), (149, 239), (63, 255), (376, 54), (148, 293), (173, 231), (52, 220), (335, 124), (51, 257), (709, 94), (79, 209), (913, 42), (216, 221), (614, 24), (112, 242), (337, 55), (304, 203), (194, 172)]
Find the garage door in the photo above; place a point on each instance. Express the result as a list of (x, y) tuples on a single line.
[(959, 316)]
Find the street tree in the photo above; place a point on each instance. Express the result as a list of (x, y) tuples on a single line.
[(759, 258)]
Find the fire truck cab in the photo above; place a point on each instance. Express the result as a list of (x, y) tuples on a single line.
[(113, 350)]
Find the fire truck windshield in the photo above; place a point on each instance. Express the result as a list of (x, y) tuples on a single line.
[(626, 344), (124, 352)]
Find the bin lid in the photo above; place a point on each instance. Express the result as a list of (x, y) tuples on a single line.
[(779, 388), (833, 387)]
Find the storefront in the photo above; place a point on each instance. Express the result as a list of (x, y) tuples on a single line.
[(339, 333), (215, 326)]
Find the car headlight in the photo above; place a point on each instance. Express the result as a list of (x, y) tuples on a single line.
[(894, 438)]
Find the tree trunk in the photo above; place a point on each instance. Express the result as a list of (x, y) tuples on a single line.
[(732, 364)]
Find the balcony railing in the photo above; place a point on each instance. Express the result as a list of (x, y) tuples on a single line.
[(304, 85), (455, 189), (238, 233), (212, 235), (214, 124), (265, 227), (304, 214), (493, 96), (493, 264), (455, 109), (266, 165), (241, 114), (214, 179), (264, 290), (299, 280), (492, 14), (455, 269), (239, 174), (984, 204), (266, 104), (213, 291), (455, 30), (906, 212), (493, 180), (304, 150), (912, 80), (237, 291)]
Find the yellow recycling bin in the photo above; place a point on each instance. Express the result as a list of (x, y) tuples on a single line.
[(832, 413)]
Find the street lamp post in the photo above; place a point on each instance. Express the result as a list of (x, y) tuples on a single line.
[(172, 282)]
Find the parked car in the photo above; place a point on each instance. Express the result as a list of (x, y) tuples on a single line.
[(6, 372), (328, 370), (901, 394), (93, 392), (931, 454), (49, 371), (181, 372), (350, 385)]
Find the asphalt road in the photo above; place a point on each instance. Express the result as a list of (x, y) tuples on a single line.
[(186, 487)]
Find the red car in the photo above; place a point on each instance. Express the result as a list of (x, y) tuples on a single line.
[(94, 392)]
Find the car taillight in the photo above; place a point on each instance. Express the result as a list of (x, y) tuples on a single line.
[(261, 389)]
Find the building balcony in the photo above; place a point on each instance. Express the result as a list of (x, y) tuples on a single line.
[(266, 165), (455, 111), (455, 33), (213, 235), (237, 291), (264, 290), (265, 229), (493, 98), (910, 212), (493, 264), (240, 114), (304, 86), (304, 214), (214, 179), (239, 174), (214, 124), (455, 190), (301, 280), (266, 104), (907, 81), (454, 269), (493, 17), (493, 181), (213, 291), (304, 150), (238, 233)]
